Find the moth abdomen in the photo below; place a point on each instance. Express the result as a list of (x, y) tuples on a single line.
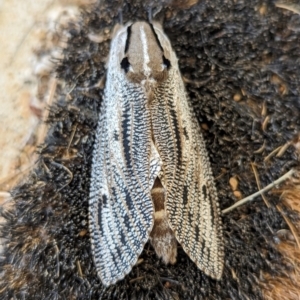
[(162, 237)]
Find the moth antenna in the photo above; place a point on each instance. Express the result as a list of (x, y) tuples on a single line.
[(153, 12), (150, 14), (120, 13)]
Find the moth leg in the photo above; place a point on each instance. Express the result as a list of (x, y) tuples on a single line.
[(162, 237)]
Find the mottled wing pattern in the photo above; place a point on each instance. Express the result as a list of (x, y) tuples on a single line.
[(191, 200), (121, 209)]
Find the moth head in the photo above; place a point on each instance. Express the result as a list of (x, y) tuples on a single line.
[(145, 60)]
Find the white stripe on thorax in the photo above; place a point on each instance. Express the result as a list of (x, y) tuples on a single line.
[(145, 52)]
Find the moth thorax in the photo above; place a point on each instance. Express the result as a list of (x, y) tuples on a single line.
[(144, 60)]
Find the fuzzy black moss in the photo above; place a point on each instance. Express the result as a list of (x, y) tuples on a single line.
[(224, 47)]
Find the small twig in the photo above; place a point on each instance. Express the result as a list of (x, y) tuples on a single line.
[(71, 139), (136, 279), (57, 258), (46, 168), (223, 172), (292, 7), (258, 184), (264, 110), (265, 189), (272, 153), (261, 149), (66, 169), (265, 123), (169, 280), (279, 151), (71, 89), (283, 149), (196, 83), (79, 268), (289, 223), (49, 101), (98, 85)]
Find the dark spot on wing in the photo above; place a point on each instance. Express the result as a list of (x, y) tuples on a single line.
[(211, 204), (166, 62), (174, 119), (125, 64), (126, 123), (185, 133), (185, 195), (104, 200), (197, 233), (204, 191)]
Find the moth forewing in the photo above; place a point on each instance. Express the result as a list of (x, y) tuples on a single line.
[(146, 134), (124, 167), (191, 203)]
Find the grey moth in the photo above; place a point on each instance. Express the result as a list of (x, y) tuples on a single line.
[(151, 177)]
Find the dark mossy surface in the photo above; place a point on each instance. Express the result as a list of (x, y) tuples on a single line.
[(224, 48)]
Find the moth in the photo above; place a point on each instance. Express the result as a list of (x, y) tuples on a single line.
[(151, 177)]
